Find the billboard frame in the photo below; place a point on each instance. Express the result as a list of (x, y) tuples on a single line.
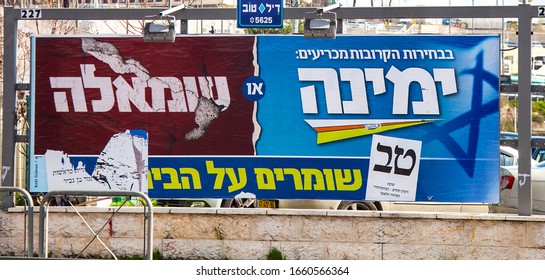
[(524, 12)]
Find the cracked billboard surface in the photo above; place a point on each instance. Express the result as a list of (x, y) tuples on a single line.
[(279, 116)]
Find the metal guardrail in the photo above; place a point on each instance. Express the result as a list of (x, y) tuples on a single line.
[(148, 242), (29, 225)]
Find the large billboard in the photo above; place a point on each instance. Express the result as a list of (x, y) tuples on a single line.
[(391, 118)]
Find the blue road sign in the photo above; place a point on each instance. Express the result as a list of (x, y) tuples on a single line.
[(260, 13)]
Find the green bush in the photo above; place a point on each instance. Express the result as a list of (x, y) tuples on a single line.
[(538, 107), (275, 254)]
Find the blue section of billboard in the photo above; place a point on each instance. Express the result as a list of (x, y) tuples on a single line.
[(298, 178), (260, 13), (338, 93), (307, 178)]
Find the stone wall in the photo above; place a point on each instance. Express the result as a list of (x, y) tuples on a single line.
[(249, 234)]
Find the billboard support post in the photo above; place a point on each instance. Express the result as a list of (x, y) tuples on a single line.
[(525, 109), (9, 104)]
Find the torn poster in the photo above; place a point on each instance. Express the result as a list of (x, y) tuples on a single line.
[(121, 166)]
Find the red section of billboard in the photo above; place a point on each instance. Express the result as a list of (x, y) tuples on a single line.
[(186, 94)]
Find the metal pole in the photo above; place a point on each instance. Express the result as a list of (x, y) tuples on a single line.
[(172, 10), (9, 94), (525, 110), (289, 13)]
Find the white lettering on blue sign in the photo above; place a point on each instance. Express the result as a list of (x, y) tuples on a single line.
[(365, 54), (357, 104), (249, 8), (254, 88)]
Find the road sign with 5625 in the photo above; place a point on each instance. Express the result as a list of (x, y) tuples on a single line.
[(260, 13)]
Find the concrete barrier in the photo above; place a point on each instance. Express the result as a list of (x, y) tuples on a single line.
[(249, 234)]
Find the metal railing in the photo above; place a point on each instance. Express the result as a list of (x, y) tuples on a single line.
[(148, 239), (28, 249)]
